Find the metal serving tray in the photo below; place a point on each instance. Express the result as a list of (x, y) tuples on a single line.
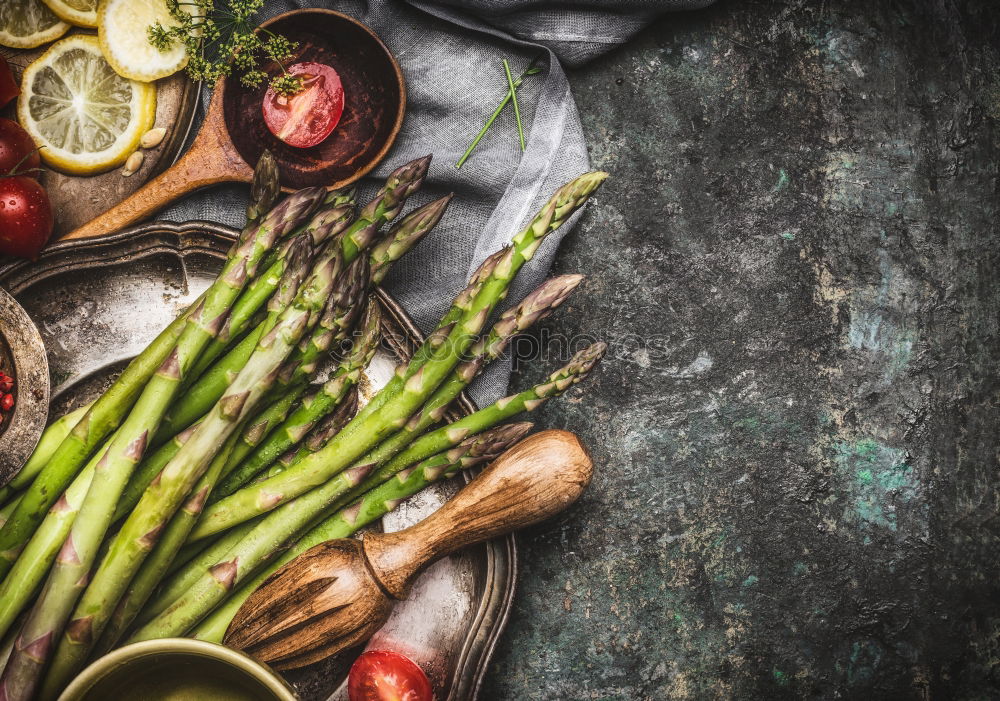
[(99, 302)]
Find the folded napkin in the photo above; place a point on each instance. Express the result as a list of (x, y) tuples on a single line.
[(450, 52)]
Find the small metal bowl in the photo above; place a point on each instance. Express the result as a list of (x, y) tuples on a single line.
[(21, 347), (177, 668)]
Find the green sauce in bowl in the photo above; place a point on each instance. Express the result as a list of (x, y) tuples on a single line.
[(177, 669)]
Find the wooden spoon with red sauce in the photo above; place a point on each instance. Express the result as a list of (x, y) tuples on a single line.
[(234, 134)]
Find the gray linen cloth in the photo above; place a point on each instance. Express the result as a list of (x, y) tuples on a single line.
[(451, 53)]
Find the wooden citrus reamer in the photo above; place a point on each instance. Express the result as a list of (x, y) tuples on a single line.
[(339, 593)]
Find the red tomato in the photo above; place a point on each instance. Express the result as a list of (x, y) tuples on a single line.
[(307, 117), (8, 86), (17, 150), (382, 675), (25, 216)]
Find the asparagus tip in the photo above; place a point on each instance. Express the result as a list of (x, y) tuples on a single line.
[(584, 361)]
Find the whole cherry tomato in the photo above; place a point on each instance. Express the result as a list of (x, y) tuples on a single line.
[(25, 216), (8, 86), (17, 150), (382, 675), (307, 117)]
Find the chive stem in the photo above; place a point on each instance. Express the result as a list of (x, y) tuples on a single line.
[(513, 97), (531, 70)]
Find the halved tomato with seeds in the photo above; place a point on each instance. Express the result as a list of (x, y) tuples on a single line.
[(383, 675), (307, 117)]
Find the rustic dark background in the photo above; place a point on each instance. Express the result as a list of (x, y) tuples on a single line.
[(797, 465)]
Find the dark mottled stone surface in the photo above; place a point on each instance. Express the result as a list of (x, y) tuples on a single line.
[(795, 264)]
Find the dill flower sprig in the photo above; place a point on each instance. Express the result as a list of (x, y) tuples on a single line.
[(219, 39)]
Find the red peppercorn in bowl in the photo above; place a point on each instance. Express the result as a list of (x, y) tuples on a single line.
[(7, 399), (24, 386)]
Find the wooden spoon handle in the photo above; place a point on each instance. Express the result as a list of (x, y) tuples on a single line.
[(534, 480), (212, 159)]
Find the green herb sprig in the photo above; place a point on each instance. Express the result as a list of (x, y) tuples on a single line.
[(221, 38)]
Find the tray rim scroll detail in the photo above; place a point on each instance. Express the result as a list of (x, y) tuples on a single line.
[(402, 335)]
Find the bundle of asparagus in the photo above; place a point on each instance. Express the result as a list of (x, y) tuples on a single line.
[(218, 455)]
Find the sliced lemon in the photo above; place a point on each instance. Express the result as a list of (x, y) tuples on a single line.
[(82, 13), (86, 117), (25, 24), (123, 26)]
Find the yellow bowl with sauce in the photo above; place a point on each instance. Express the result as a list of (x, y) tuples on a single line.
[(177, 669)]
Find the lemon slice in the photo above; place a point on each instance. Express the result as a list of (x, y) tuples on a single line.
[(123, 26), (82, 13), (86, 117), (25, 24)]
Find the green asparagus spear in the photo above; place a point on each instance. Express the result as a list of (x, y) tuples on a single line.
[(529, 400), (9, 507), (536, 306), (405, 235), (180, 580), (386, 205), (282, 525), (345, 305), (28, 571), (532, 309), (151, 515), (300, 421), (24, 579), (375, 504), (344, 308), (332, 218), (342, 311), (256, 430), (461, 304), (53, 435), (260, 426), (159, 559), (489, 283), (67, 578), (100, 420), (319, 436), (210, 385), (405, 393), (333, 423), (147, 470), (264, 188), (7, 645), (323, 431)]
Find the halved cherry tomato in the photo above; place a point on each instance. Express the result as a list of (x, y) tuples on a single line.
[(383, 675), (307, 117), (8, 86), (17, 150)]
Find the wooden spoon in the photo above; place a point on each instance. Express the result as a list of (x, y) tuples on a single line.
[(339, 593), (234, 134)]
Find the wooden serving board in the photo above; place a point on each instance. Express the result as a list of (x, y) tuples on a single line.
[(78, 199)]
